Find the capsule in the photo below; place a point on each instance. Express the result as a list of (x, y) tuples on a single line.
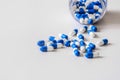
[(41, 43), (93, 46), (67, 43), (91, 34), (83, 29), (83, 49), (91, 55), (63, 36), (80, 36), (76, 52), (102, 42), (46, 48), (93, 28), (73, 33)]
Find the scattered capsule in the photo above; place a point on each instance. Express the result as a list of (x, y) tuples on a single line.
[(76, 52), (102, 42), (74, 46), (83, 49), (46, 48), (82, 43), (54, 45), (67, 43), (80, 36), (92, 45), (93, 28), (91, 55), (41, 43), (89, 49), (74, 32), (63, 36), (91, 34), (51, 38), (83, 29), (60, 43)]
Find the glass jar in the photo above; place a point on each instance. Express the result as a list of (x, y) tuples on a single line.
[(87, 11)]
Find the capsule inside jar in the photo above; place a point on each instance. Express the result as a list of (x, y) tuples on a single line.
[(88, 11)]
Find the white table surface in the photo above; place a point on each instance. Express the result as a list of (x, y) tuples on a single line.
[(24, 22)]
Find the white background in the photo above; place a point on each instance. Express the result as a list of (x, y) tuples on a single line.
[(24, 22)]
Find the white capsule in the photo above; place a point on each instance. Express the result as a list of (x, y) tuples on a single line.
[(92, 34), (59, 45), (91, 16), (81, 20), (48, 43), (100, 10), (71, 34), (96, 7), (82, 30), (83, 49), (100, 43), (50, 48), (77, 43), (87, 2), (86, 21), (74, 7)]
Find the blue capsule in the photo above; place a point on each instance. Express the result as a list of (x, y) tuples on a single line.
[(51, 38), (90, 21), (92, 45), (67, 43), (91, 11), (46, 48), (63, 36), (81, 11), (43, 49), (77, 15), (89, 49), (89, 55), (41, 43), (76, 52), (76, 31), (80, 36), (74, 46), (85, 27), (54, 45), (90, 6), (82, 43), (105, 41), (60, 41), (93, 28)]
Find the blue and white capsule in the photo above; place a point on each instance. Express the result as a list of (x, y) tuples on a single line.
[(73, 33), (52, 39), (63, 36), (102, 42), (76, 52), (91, 33), (82, 46), (60, 43), (83, 29), (67, 43), (92, 45), (41, 43), (80, 36), (91, 55), (46, 48), (93, 28)]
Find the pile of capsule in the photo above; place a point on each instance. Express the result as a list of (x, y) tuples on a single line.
[(76, 41), (87, 11)]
